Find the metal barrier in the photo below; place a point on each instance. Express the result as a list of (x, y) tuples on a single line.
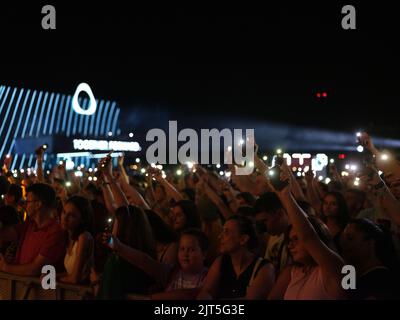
[(29, 288)]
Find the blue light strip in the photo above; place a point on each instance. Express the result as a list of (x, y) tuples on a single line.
[(10, 127), (28, 115), (4, 100), (14, 162), (110, 117), (103, 122), (1, 91), (53, 116), (20, 119), (76, 116), (50, 110), (35, 114), (98, 115), (21, 164), (6, 116), (115, 119), (30, 161), (92, 121), (82, 117), (63, 112), (70, 111), (86, 127), (41, 114)]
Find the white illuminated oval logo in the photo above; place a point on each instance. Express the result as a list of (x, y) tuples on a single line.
[(92, 104)]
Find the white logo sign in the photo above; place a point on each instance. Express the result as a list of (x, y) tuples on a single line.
[(92, 104), (49, 280)]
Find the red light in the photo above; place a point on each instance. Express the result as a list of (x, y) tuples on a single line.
[(324, 94), (318, 95), (342, 156)]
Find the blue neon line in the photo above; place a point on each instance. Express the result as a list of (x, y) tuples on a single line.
[(110, 117), (4, 100), (35, 114), (20, 119), (92, 121), (14, 161), (10, 124), (86, 126), (115, 119), (63, 112), (30, 160), (21, 164), (43, 107), (1, 91), (82, 117), (53, 116), (98, 116), (105, 114), (76, 116), (28, 115), (71, 112), (6, 116), (49, 110)]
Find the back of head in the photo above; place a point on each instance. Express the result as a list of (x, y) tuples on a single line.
[(161, 230), (246, 211), (15, 191), (44, 193), (268, 202)]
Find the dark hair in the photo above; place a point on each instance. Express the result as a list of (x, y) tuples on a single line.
[(343, 215), (85, 209), (246, 227), (199, 235), (162, 231), (190, 193), (8, 215), (191, 213), (93, 189), (384, 247), (135, 230), (248, 197), (15, 191), (268, 202), (44, 193), (246, 211)]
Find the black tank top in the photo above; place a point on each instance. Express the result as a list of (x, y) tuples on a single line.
[(231, 287)]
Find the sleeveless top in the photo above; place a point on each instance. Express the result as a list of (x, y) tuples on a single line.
[(70, 260), (231, 286), (307, 286), (178, 280)]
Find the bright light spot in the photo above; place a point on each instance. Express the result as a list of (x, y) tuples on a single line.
[(347, 167), (332, 161), (179, 172), (327, 180), (279, 151), (8, 156), (147, 174), (153, 165), (228, 174), (345, 173), (229, 148), (189, 164), (137, 160), (48, 171), (143, 170), (303, 174), (95, 169), (78, 174), (221, 173), (34, 172), (294, 169), (299, 169), (265, 158), (271, 173), (159, 167), (15, 175), (384, 156), (358, 134), (22, 171), (241, 142), (78, 168), (90, 170), (306, 168), (360, 148), (353, 167), (94, 178), (130, 135), (380, 172), (109, 220), (68, 184), (356, 183), (299, 174), (251, 164), (320, 178), (164, 176), (357, 179), (69, 165), (61, 163), (218, 166), (82, 165), (110, 133)]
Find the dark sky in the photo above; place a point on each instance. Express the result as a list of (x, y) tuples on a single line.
[(241, 61)]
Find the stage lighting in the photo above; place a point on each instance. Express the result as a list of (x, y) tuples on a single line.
[(360, 148)]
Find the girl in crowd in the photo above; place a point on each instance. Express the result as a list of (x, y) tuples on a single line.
[(179, 281), (316, 273), (76, 219), (238, 273), (184, 215)]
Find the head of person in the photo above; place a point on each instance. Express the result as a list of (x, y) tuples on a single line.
[(159, 193), (238, 233), (270, 214), (334, 207), (92, 192), (248, 212), (189, 194), (245, 199), (355, 200), (193, 245), (364, 240), (76, 216), (183, 215), (298, 250), (59, 186), (40, 199), (13, 195), (163, 232)]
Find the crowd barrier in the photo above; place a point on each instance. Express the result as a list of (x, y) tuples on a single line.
[(29, 288)]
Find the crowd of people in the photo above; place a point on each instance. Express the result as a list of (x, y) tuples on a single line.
[(206, 236)]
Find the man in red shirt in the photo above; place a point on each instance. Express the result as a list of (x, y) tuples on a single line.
[(41, 241)]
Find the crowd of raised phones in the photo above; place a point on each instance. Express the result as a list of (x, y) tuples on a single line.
[(205, 236)]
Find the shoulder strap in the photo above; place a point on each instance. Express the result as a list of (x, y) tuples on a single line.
[(255, 270)]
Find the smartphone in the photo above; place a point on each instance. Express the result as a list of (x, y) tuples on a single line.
[(107, 160), (275, 178), (111, 241)]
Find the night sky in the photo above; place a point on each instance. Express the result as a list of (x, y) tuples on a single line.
[(235, 62)]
